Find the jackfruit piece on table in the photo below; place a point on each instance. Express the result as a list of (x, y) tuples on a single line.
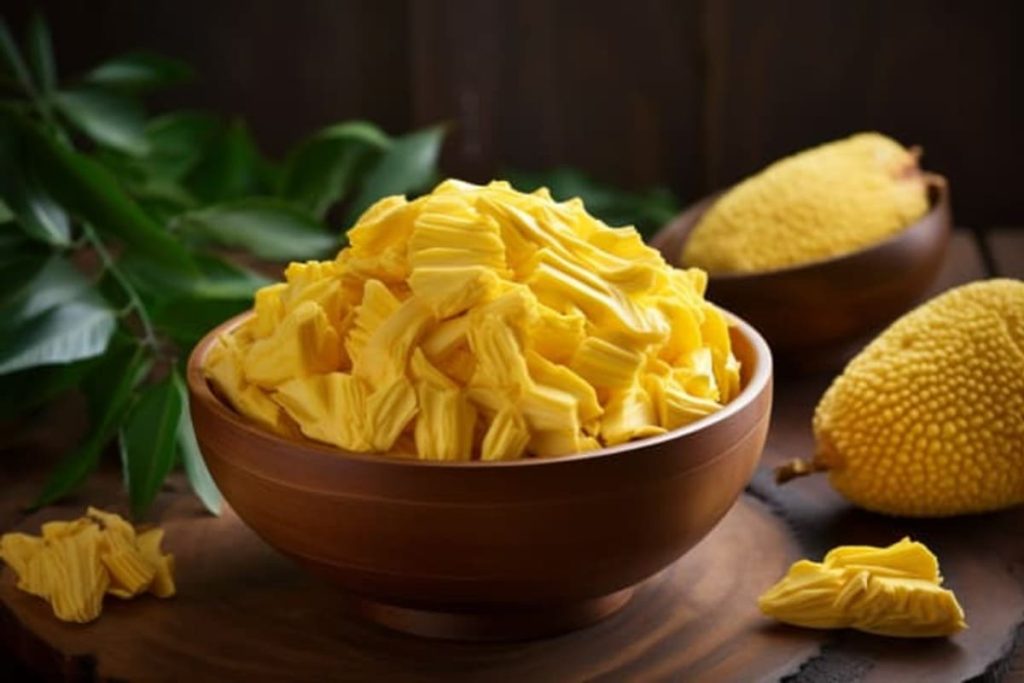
[(74, 564), (895, 591)]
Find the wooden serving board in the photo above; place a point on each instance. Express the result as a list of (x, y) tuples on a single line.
[(245, 613)]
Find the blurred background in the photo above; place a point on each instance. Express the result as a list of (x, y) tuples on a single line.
[(689, 94)]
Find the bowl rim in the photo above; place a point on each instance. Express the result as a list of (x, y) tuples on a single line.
[(939, 206), (200, 390)]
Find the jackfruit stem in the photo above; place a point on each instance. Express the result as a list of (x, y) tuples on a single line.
[(796, 468)]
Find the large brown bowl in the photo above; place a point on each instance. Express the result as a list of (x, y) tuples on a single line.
[(813, 311), (488, 550)]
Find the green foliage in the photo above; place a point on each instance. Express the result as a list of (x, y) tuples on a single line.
[(120, 233)]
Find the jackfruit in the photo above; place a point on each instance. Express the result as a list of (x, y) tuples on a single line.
[(74, 564), (928, 421), (826, 201), (478, 322), (893, 591)]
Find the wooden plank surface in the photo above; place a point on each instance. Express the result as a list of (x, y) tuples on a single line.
[(243, 611)]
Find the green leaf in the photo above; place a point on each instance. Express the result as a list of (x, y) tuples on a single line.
[(59, 318), (36, 211), (88, 191), (148, 440), (195, 467), (323, 169), (187, 319), (177, 142), (139, 71), (12, 60), (21, 260), (40, 54), (216, 279), (108, 402), (229, 169), (269, 228), (109, 119), (409, 166)]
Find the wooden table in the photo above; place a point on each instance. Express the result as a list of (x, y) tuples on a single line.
[(245, 613)]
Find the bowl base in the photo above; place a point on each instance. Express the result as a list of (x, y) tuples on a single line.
[(493, 624)]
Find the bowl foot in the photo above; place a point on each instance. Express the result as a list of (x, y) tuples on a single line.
[(494, 624)]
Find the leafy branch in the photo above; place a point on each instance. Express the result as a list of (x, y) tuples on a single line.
[(123, 238)]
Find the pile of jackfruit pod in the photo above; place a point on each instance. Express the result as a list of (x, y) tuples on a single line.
[(893, 591), (478, 322), (75, 563)]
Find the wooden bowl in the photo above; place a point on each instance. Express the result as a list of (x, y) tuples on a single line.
[(817, 308), (488, 550)]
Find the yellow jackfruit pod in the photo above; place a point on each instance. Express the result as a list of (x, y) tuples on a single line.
[(422, 370), (329, 408), (625, 243), (388, 410), (304, 343), (507, 436), (444, 424), (546, 408), (17, 550), (451, 290), (673, 405), (629, 414), (268, 310), (449, 232), (555, 335), (893, 591), (445, 337), (716, 336), (560, 377), (499, 359), (149, 543), (905, 559), (388, 348), (606, 365), (386, 222), (377, 305), (76, 577), (223, 368)]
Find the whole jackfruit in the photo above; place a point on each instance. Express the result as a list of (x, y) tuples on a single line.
[(928, 421), (823, 202)]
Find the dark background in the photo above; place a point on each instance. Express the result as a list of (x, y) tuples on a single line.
[(691, 94)]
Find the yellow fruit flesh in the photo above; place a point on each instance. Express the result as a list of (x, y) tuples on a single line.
[(74, 564), (478, 322), (823, 202), (893, 591), (929, 419)]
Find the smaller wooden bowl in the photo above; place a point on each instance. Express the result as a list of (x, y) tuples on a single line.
[(816, 309), (489, 550)]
